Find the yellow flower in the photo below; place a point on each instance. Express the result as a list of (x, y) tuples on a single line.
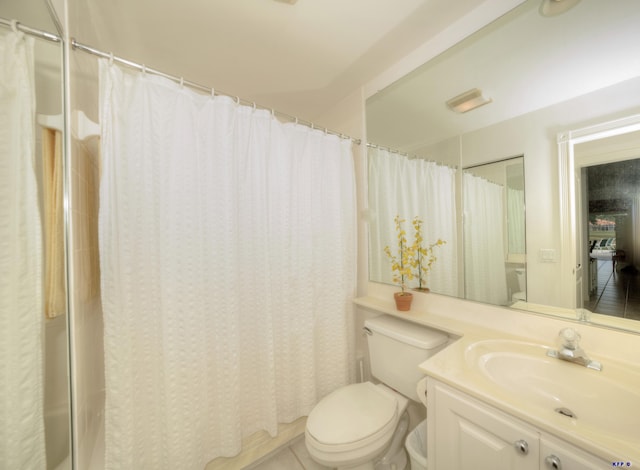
[(411, 261), (424, 256), (402, 261)]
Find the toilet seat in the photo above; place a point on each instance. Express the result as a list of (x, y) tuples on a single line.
[(353, 417)]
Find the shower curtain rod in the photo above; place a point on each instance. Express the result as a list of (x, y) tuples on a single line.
[(17, 26), (411, 157), (143, 68), (390, 150)]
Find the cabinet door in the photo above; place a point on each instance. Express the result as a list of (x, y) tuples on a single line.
[(472, 436), (556, 454)]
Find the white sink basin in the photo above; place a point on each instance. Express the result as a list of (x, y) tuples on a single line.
[(606, 401)]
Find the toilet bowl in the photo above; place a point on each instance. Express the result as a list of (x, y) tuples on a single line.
[(521, 295), (363, 426), (355, 425)]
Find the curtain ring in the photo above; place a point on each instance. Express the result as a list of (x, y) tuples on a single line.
[(213, 93), (110, 58), (144, 70), (14, 26), (181, 82), (237, 100)]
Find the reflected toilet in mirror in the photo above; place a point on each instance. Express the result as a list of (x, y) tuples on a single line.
[(521, 282)]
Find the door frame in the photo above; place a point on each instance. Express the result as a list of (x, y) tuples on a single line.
[(571, 262)]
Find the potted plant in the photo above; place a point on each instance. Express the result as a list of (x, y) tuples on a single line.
[(423, 256), (401, 265)]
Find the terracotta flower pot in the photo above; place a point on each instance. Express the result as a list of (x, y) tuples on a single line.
[(403, 300)]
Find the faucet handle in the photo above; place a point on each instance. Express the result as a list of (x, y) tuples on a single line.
[(569, 338)]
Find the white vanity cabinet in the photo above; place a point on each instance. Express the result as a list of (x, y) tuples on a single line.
[(467, 434), (464, 434), (556, 454)]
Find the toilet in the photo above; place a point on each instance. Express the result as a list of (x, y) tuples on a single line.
[(521, 275), (363, 426)]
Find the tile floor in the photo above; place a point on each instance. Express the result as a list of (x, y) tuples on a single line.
[(293, 457), (618, 292)]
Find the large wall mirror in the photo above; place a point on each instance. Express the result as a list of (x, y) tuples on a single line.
[(34, 370), (535, 77)]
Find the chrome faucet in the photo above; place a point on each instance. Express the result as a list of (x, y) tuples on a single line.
[(571, 351)]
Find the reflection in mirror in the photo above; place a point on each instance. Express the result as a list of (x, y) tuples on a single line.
[(609, 222), (544, 76), (409, 188), (613, 191), (33, 318), (516, 220), (494, 240)]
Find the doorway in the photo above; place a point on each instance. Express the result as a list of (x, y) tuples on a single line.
[(612, 230)]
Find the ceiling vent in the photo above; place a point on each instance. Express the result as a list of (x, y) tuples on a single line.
[(467, 101)]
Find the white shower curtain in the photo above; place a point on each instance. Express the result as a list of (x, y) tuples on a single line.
[(227, 245), (412, 187), (21, 304), (484, 246), (516, 228)]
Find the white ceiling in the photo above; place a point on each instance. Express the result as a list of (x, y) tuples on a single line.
[(299, 59)]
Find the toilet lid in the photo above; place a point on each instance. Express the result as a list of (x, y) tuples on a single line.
[(351, 414)]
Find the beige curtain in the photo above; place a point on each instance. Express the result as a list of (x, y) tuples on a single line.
[(55, 303)]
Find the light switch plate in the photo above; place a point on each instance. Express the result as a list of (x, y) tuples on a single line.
[(548, 255)]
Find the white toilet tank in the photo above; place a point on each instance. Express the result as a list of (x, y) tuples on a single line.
[(397, 347), (521, 275)]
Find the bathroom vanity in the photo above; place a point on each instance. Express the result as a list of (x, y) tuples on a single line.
[(506, 403), (466, 433), (500, 399)]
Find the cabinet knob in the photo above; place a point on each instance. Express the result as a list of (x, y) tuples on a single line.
[(522, 446), (553, 462)]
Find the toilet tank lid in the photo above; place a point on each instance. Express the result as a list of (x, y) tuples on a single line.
[(408, 332)]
